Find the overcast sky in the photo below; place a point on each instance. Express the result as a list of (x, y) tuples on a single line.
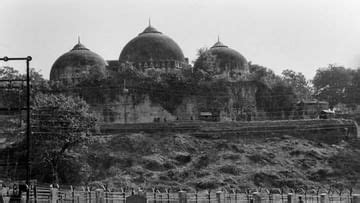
[(302, 35)]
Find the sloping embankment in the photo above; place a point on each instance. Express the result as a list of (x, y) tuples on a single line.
[(200, 155)]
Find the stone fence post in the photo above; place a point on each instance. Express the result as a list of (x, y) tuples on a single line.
[(23, 197), (218, 196), (290, 198), (182, 196), (54, 195), (256, 197), (6, 199), (99, 197), (356, 198), (300, 199), (322, 197)]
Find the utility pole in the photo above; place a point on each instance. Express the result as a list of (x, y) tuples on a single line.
[(28, 129)]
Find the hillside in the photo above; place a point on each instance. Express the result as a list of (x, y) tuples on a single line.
[(206, 155), (211, 160)]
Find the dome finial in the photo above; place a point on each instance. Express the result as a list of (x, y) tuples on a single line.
[(218, 43), (79, 46), (150, 29)]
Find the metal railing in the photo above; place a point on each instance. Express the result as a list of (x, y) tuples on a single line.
[(40, 194)]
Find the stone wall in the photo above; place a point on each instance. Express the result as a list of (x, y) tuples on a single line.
[(237, 103), (124, 110)]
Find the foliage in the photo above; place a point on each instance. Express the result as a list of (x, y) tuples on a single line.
[(8, 73), (10, 97), (278, 101), (283, 99), (229, 169), (169, 92), (215, 94), (13, 94), (278, 95), (352, 92), (262, 74), (59, 124), (298, 83), (205, 63), (332, 83), (263, 97), (346, 165)]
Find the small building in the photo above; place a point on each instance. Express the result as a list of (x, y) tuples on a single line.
[(310, 109), (209, 115), (327, 114)]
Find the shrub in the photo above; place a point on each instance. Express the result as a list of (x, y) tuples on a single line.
[(183, 158), (230, 169)]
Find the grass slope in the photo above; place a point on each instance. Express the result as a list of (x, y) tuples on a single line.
[(181, 160)]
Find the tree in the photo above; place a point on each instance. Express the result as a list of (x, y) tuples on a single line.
[(299, 84), (262, 74), (283, 99), (205, 64), (60, 123), (13, 96), (8, 73), (278, 101), (276, 95), (332, 83), (10, 97), (352, 93)]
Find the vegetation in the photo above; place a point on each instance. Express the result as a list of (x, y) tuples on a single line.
[(332, 84), (148, 160), (338, 85), (278, 95), (60, 123), (299, 84), (13, 94)]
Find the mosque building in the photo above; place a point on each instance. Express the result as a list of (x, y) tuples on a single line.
[(151, 50)]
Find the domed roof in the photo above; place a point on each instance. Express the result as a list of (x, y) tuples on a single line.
[(77, 63), (151, 44), (224, 58)]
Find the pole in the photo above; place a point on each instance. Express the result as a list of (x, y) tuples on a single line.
[(28, 130)]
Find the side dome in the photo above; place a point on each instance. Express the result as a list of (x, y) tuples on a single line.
[(152, 49), (77, 64), (222, 60)]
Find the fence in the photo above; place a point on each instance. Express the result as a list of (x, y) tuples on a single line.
[(57, 195)]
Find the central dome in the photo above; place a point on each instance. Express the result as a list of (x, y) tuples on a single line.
[(152, 47)]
